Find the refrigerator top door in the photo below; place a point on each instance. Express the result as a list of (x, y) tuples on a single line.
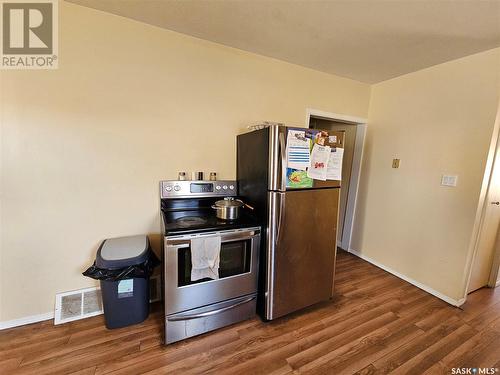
[(278, 158), (301, 249), (337, 140)]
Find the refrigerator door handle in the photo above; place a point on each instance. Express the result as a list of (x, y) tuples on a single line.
[(273, 158), (270, 249), (280, 217), (283, 161)]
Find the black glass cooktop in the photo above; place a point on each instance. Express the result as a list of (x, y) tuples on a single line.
[(201, 219)]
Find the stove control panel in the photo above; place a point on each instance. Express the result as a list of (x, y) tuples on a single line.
[(196, 189)]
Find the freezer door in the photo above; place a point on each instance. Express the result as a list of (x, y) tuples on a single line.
[(277, 170), (301, 249)]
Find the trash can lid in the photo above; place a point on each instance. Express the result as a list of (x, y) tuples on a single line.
[(123, 251)]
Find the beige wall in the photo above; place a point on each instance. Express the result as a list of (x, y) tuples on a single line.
[(85, 146), (437, 121)]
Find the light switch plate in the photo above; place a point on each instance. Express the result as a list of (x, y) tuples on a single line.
[(395, 163), (449, 180)]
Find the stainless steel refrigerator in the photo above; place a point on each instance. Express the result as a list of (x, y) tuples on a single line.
[(300, 220)]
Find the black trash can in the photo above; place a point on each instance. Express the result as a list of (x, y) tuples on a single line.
[(125, 299)]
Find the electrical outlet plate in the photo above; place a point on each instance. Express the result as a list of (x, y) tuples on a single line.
[(395, 163), (449, 180)]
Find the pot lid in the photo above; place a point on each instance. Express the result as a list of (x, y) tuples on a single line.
[(229, 202)]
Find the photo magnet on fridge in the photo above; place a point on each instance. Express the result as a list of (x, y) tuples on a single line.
[(297, 179)]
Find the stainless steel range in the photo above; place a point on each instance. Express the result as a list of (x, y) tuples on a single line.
[(195, 307)]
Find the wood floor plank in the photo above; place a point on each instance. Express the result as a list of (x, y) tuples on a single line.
[(168, 355), (136, 335), (494, 325), (479, 301), (32, 347), (438, 315), (285, 370), (486, 317), (437, 368), (79, 360), (406, 352), (488, 357), (368, 370), (10, 364), (435, 352), (300, 359), (375, 324), (364, 351), (358, 354), (462, 355), (86, 371)]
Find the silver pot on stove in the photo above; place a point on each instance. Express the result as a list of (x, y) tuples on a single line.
[(229, 208)]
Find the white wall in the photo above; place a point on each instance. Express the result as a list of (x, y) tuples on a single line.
[(84, 146), (437, 121)]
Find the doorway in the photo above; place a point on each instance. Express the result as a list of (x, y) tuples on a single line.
[(349, 131), (485, 265), (354, 130)]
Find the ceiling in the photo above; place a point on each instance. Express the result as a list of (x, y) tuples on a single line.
[(366, 40)]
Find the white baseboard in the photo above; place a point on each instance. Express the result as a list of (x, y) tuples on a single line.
[(26, 320), (424, 287)]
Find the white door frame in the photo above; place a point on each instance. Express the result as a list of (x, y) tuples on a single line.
[(356, 165), (493, 281), (493, 151)]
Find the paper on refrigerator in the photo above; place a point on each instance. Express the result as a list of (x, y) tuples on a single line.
[(320, 157), (334, 170), (297, 150)]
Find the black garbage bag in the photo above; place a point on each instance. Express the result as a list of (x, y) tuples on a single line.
[(142, 270)]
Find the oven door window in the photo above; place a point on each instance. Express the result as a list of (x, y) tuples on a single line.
[(234, 260)]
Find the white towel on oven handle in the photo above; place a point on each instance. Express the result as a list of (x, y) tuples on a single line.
[(205, 257)]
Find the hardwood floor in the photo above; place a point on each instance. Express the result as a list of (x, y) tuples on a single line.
[(376, 324)]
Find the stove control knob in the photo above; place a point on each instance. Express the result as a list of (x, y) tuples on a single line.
[(177, 188), (231, 187), (218, 187), (225, 187), (168, 188)]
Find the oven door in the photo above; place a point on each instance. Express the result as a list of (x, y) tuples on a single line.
[(239, 257)]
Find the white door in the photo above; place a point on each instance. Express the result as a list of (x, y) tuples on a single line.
[(483, 261)]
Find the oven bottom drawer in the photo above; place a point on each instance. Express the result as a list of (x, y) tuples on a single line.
[(208, 318)]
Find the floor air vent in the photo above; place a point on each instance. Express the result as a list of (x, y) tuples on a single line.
[(154, 288), (77, 304)]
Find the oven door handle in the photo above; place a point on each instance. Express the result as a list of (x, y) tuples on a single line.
[(210, 313), (226, 237)]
